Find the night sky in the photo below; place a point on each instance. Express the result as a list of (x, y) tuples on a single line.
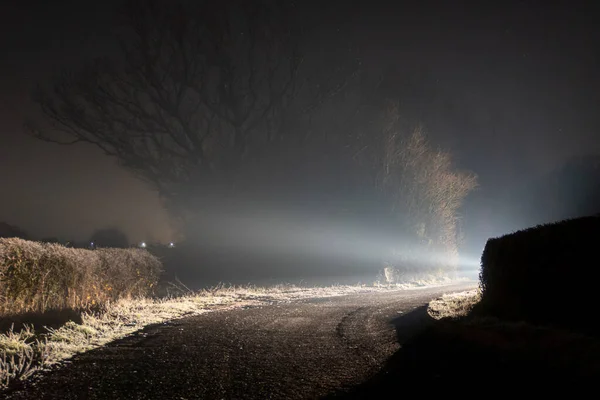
[(512, 90)]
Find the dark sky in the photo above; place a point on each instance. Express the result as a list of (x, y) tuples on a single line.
[(511, 89)]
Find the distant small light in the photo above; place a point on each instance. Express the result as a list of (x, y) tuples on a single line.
[(143, 244), (171, 244), (92, 243)]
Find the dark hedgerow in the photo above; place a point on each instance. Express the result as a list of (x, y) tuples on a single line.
[(548, 274)]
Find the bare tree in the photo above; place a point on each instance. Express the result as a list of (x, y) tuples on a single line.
[(198, 88), (423, 187)]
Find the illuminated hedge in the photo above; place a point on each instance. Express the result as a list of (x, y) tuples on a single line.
[(38, 276)]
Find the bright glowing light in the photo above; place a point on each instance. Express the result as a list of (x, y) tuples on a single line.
[(143, 244), (171, 244)]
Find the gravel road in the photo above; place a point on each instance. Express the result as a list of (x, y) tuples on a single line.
[(298, 350)]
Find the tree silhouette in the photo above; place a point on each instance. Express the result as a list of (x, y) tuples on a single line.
[(8, 231), (198, 93), (109, 237)]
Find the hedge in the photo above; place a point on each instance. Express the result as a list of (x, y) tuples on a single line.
[(548, 274), (35, 277)]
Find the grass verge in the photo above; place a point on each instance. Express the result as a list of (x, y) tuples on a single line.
[(454, 305)]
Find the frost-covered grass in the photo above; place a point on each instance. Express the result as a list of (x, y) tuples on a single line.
[(454, 305)]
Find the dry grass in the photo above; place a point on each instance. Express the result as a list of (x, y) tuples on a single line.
[(22, 353), (454, 305), (401, 278)]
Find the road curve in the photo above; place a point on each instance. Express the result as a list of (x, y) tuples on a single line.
[(299, 350)]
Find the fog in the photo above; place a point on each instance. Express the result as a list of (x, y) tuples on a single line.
[(300, 190)]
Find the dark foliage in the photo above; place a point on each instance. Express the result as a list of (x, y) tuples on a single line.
[(109, 237), (8, 231), (478, 353), (546, 275)]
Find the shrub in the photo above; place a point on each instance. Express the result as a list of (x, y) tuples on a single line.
[(546, 274), (38, 276)]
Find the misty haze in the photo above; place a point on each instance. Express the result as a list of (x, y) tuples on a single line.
[(383, 185)]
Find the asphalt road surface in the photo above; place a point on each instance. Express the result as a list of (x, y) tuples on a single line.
[(301, 350)]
